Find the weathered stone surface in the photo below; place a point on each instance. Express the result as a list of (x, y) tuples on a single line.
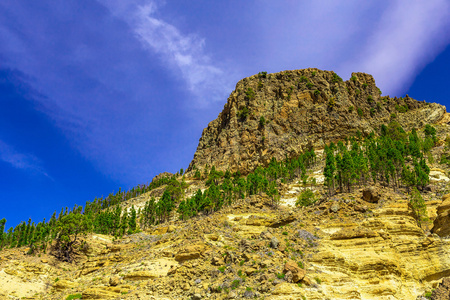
[(139, 275), (64, 284), (353, 233), (190, 252), (441, 224), (442, 292), (100, 293)]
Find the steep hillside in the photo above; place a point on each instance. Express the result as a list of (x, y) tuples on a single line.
[(279, 115)]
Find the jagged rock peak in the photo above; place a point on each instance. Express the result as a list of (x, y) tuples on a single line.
[(278, 115)]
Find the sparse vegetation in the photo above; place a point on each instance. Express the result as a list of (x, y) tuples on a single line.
[(306, 198)]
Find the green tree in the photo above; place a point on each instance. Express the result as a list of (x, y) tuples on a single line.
[(418, 206), (330, 169), (2, 232), (69, 228), (132, 221)]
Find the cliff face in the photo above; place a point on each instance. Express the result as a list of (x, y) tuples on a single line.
[(278, 115)]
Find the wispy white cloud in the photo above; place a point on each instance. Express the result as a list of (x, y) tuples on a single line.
[(409, 35), (22, 161), (184, 53)]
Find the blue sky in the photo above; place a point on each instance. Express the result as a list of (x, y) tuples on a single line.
[(97, 95)]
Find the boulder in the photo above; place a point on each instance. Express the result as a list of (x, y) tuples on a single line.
[(274, 243), (296, 273), (371, 195), (114, 280)]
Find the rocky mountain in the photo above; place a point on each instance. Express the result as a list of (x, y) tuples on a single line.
[(279, 115), (366, 243)]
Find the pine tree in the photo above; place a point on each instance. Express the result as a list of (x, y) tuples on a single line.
[(2, 232), (418, 206), (132, 221), (329, 171), (69, 228)]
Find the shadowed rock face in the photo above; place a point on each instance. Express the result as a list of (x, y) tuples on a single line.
[(281, 114)]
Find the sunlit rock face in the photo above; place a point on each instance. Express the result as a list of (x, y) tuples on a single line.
[(280, 114)]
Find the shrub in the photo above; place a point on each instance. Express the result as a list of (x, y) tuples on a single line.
[(351, 108), (74, 296), (222, 269), (370, 99), (316, 93), (262, 121), (250, 93), (243, 113), (262, 74), (318, 280), (357, 92), (360, 112), (309, 85), (393, 116), (285, 233), (280, 275), (336, 78), (260, 85), (304, 79), (353, 78), (372, 111), (300, 264), (235, 284), (401, 108), (306, 198), (365, 85), (313, 73)]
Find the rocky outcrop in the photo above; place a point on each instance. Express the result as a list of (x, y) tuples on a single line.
[(441, 224), (442, 292), (281, 114)]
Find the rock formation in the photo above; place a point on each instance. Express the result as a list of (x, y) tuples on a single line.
[(278, 115)]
